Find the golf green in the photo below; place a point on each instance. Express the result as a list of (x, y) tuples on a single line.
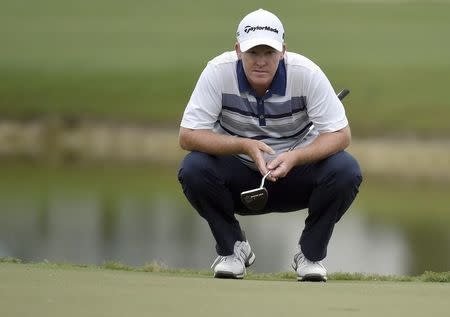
[(30, 290)]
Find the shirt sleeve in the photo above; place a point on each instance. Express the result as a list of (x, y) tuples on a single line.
[(204, 106), (325, 109)]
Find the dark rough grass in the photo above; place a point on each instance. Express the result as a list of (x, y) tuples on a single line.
[(155, 267)]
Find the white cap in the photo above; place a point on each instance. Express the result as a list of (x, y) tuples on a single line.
[(260, 27)]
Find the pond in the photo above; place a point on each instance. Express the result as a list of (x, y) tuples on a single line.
[(137, 215)]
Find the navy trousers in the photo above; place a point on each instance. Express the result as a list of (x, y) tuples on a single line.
[(213, 185)]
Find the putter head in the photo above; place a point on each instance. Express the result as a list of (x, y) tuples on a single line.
[(255, 199)]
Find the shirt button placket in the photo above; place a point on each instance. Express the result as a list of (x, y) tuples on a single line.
[(260, 106)]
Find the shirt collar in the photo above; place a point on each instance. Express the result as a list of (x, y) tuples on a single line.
[(277, 87)]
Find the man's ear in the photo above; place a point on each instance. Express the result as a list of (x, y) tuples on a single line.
[(284, 51), (237, 48)]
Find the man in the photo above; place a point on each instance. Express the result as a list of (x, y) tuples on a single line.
[(248, 108)]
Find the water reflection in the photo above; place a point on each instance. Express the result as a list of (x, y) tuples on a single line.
[(83, 229), (90, 217)]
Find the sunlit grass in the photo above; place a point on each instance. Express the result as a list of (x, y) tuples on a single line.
[(140, 60)]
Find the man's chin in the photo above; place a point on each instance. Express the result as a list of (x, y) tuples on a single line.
[(261, 82)]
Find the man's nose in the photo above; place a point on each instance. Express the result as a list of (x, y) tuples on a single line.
[(260, 60)]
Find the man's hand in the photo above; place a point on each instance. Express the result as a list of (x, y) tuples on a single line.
[(255, 150), (210, 142), (281, 165), (323, 146)]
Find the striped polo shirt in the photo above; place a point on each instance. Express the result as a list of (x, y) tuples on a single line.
[(300, 94)]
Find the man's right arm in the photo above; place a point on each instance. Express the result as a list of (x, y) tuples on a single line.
[(210, 142)]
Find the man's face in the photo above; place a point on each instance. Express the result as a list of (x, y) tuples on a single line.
[(260, 65)]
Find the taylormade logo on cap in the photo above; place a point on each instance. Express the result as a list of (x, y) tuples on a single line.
[(260, 27), (249, 28)]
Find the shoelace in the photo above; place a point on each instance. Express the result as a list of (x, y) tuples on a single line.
[(239, 254), (300, 258), (217, 261)]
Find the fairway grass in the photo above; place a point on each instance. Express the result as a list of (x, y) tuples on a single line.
[(46, 290), (139, 60)]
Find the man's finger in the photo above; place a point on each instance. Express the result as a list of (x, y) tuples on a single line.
[(273, 164), (278, 172), (267, 149), (261, 164)]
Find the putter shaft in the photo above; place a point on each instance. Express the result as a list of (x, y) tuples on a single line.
[(263, 179), (341, 95)]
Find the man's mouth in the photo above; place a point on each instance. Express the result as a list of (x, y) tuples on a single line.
[(259, 71)]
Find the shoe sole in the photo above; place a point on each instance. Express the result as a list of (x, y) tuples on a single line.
[(312, 278), (228, 275)]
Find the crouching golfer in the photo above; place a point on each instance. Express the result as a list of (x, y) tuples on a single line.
[(248, 108)]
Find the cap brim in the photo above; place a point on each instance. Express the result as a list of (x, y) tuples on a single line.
[(246, 45)]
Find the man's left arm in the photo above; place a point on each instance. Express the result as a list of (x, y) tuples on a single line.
[(325, 145), (327, 113)]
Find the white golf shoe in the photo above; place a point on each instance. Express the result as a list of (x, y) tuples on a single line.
[(233, 266), (307, 270)]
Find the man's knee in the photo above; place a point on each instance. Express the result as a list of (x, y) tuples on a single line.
[(344, 170), (193, 168)]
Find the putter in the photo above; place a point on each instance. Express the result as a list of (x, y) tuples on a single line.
[(256, 199)]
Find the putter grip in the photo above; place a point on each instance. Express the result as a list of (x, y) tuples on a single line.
[(344, 92)]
